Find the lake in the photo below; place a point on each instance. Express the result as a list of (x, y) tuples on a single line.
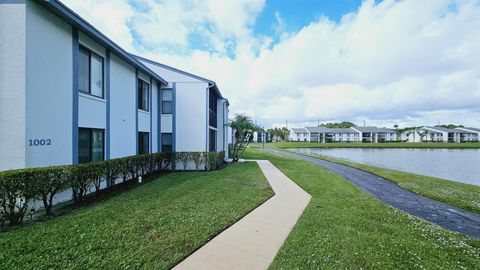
[(460, 165)]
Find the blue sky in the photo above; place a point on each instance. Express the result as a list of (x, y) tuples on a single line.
[(389, 62), (300, 13)]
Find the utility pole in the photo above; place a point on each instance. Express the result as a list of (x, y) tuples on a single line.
[(318, 123), (286, 124), (363, 122), (263, 139)]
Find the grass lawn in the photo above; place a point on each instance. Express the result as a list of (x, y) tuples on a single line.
[(343, 228), (374, 145), (152, 226), (458, 194)]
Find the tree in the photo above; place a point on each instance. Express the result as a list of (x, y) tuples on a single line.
[(279, 133), (243, 128), (343, 124), (398, 132)]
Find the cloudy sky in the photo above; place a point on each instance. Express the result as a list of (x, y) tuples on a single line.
[(383, 62)]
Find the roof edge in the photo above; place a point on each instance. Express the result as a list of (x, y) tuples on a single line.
[(211, 83), (68, 15)]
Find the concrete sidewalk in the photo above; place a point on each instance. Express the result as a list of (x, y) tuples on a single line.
[(253, 241)]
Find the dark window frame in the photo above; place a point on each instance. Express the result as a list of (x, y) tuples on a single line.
[(141, 138), (168, 145), (212, 109), (167, 101), (140, 95), (212, 140), (89, 85), (90, 134)]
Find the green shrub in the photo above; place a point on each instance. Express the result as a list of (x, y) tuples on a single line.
[(98, 172), (124, 169), (81, 180), (46, 182), (168, 161), (143, 162), (184, 158), (197, 158), (16, 191), (112, 169), (20, 187), (211, 159), (132, 166), (220, 159)]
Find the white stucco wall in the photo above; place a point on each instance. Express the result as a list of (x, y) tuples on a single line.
[(122, 108), (49, 87), (191, 116), (143, 121), (12, 85), (92, 112)]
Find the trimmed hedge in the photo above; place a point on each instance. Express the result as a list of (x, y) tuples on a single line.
[(20, 187)]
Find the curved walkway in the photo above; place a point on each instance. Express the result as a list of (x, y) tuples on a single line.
[(445, 215), (253, 241)]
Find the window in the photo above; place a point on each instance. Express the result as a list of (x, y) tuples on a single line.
[(143, 143), (213, 140), (90, 73), (143, 95), (90, 145), (167, 142), (167, 103), (212, 106)]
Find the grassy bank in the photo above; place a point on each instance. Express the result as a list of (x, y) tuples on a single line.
[(458, 194), (343, 228), (153, 226), (375, 145)]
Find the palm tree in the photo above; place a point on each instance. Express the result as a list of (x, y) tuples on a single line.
[(243, 128), (398, 132)]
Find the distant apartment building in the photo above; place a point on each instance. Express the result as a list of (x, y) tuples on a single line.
[(450, 135), (475, 131), (370, 134), (323, 134), (69, 95), (375, 135), (299, 135)]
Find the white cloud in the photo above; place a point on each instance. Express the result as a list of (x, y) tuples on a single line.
[(396, 61)]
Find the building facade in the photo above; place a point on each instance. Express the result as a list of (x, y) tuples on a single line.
[(299, 135), (475, 131), (375, 135), (200, 119), (68, 95), (449, 135), (324, 134)]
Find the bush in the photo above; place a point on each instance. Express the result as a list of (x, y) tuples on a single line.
[(184, 158), (98, 173), (168, 161), (197, 158), (112, 170), (124, 169), (16, 191), (220, 159), (46, 182), (20, 187), (211, 161), (81, 180)]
